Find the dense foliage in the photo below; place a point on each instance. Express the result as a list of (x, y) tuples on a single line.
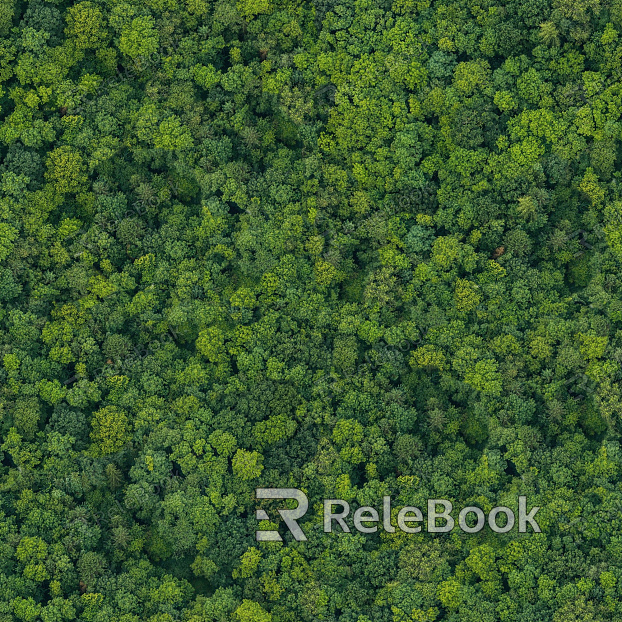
[(360, 247)]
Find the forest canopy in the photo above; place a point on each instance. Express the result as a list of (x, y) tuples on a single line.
[(358, 248)]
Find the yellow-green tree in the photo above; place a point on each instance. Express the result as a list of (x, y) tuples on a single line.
[(66, 169), (111, 430), (86, 25)]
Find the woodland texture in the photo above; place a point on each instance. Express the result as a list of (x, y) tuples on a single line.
[(356, 247)]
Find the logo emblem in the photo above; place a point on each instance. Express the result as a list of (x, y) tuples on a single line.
[(289, 516)]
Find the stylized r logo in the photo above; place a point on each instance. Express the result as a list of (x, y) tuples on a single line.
[(289, 516)]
